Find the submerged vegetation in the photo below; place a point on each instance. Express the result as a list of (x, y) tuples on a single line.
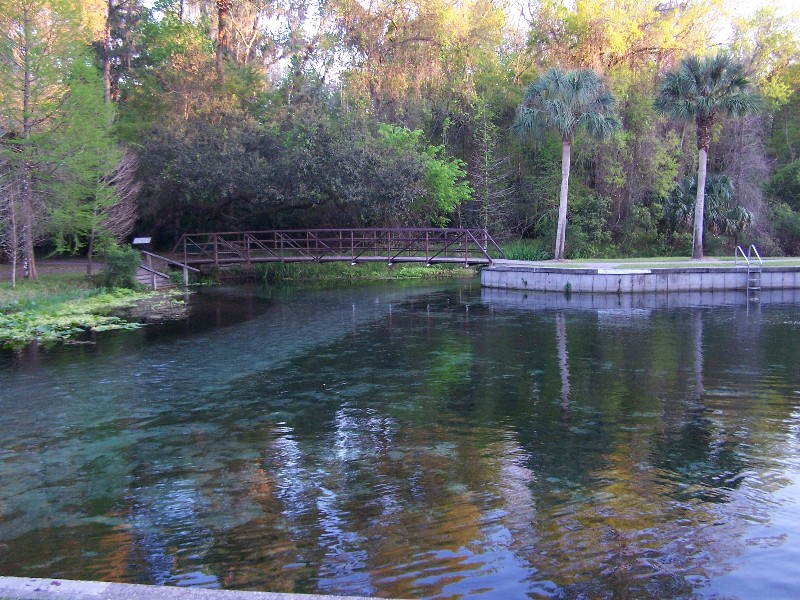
[(63, 307)]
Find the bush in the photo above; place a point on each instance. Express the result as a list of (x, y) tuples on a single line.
[(587, 230), (640, 235), (527, 250), (121, 266), (784, 186), (787, 228)]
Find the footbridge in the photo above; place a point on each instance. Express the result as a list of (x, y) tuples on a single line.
[(398, 245)]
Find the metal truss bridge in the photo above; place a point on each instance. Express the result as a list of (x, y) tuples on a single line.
[(399, 245)]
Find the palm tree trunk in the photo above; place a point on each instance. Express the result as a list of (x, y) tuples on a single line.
[(699, 206), (566, 148)]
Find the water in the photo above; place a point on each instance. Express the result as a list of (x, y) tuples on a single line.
[(413, 441)]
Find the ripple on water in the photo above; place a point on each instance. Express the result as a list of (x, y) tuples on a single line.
[(350, 442)]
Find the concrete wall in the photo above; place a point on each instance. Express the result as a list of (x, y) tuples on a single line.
[(630, 303), (627, 281)]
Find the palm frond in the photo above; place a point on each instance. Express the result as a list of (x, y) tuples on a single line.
[(564, 100), (705, 87)]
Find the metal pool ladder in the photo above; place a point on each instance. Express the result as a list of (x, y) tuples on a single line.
[(753, 269)]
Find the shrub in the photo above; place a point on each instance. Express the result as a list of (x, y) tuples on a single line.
[(121, 266), (527, 250), (787, 228)]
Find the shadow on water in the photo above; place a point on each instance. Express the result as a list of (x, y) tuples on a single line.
[(413, 441)]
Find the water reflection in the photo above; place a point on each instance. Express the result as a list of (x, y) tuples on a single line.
[(430, 442), (563, 365)]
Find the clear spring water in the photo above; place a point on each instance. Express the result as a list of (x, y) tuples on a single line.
[(412, 441)]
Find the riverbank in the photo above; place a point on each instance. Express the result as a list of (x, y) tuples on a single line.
[(64, 305), (343, 272)]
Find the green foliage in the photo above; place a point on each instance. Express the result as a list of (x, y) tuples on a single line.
[(276, 273), (703, 90), (170, 36), (564, 101), (421, 115), (50, 317), (588, 235), (786, 223), (784, 185), (770, 42), (121, 266), (84, 157), (723, 216), (640, 235), (445, 178), (527, 250), (49, 288), (40, 41), (783, 139), (704, 87)]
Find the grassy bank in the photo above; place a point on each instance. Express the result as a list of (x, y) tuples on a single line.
[(338, 272), (64, 306)]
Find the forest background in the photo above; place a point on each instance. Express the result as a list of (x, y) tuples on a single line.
[(200, 115)]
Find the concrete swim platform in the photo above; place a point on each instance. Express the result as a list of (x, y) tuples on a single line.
[(656, 276), (34, 588)]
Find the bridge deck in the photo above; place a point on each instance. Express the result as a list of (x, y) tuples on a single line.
[(456, 246)]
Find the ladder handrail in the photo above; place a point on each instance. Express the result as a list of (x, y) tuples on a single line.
[(740, 250), (752, 249)]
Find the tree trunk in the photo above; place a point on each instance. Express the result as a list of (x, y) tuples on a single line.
[(14, 238), (699, 206), (29, 260), (566, 149), (223, 10), (90, 246), (107, 52)]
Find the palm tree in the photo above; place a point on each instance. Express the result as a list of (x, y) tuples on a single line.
[(565, 101), (701, 90)]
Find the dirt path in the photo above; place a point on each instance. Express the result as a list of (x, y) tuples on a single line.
[(52, 265)]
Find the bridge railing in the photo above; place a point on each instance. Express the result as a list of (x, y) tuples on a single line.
[(429, 245)]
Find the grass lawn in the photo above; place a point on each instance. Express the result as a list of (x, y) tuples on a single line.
[(50, 287)]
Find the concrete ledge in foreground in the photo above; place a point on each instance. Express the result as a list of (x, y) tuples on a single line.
[(517, 275), (29, 588)]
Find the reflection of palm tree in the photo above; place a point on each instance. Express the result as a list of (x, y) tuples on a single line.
[(563, 365), (698, 355)]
